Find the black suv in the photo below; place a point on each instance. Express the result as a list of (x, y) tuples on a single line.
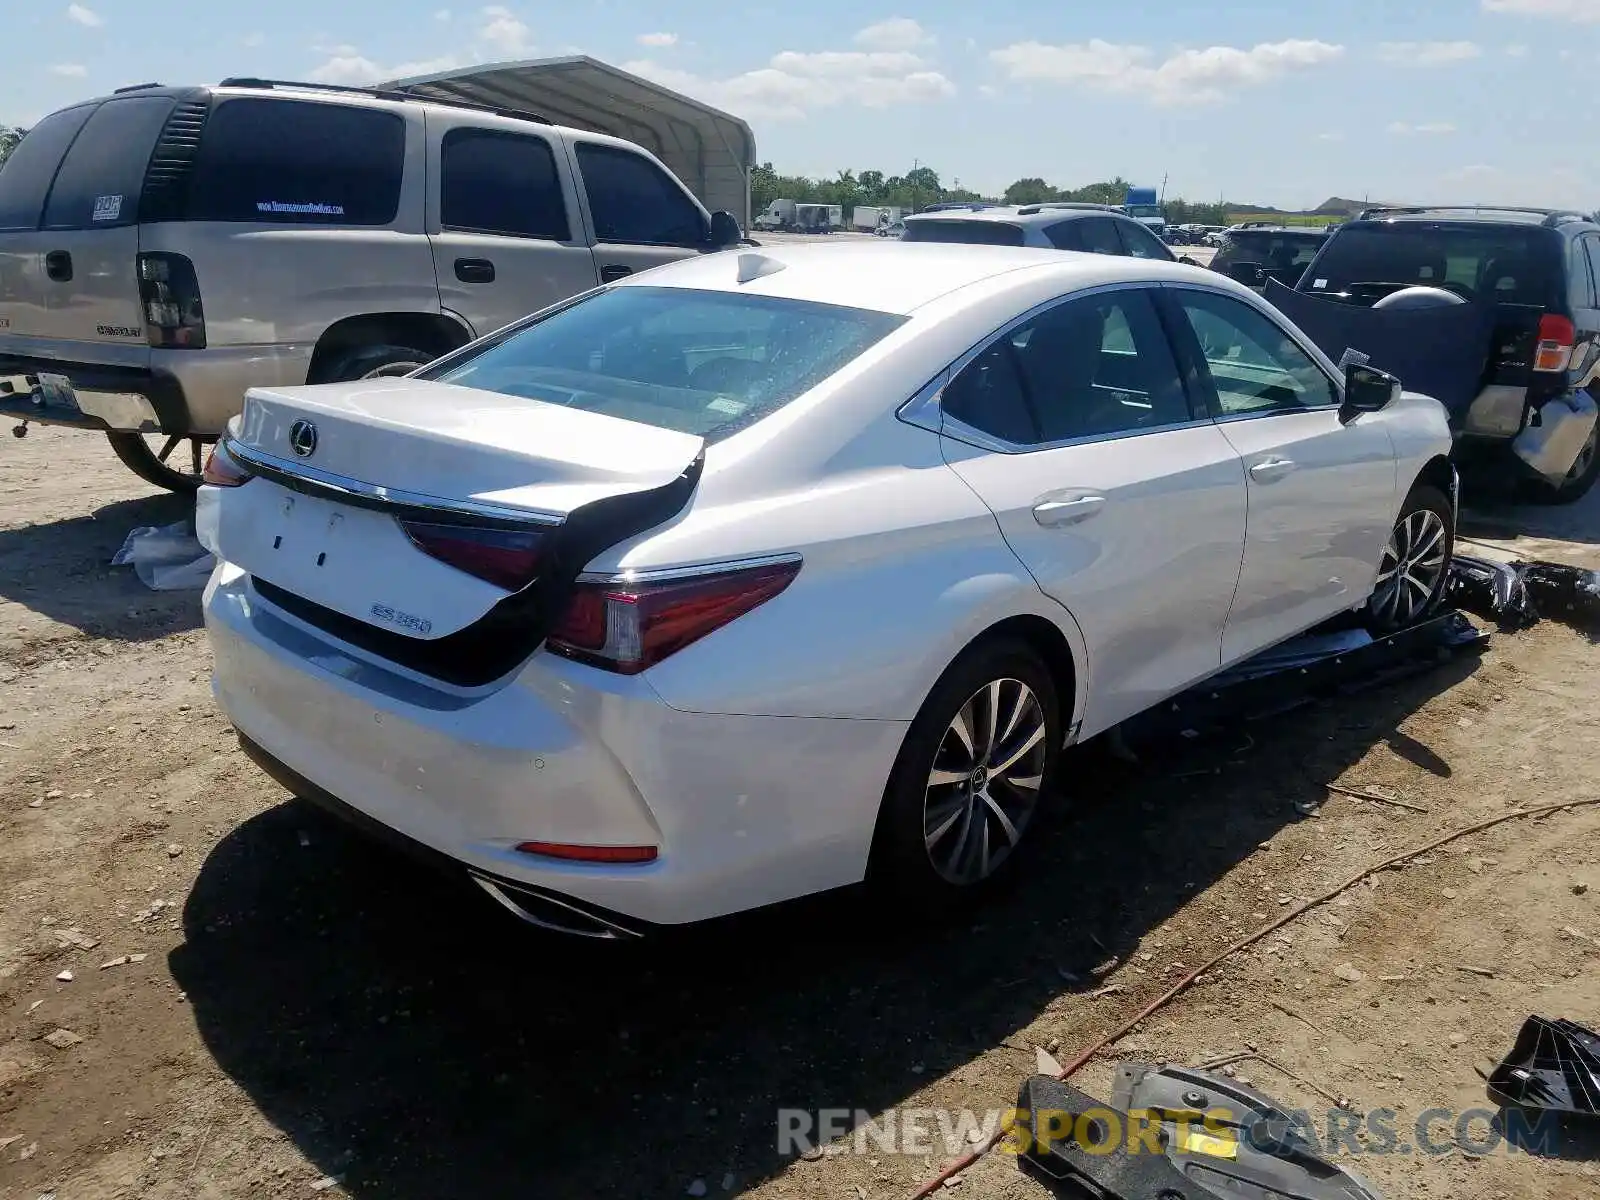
[(1253, 254), (1528, 368)]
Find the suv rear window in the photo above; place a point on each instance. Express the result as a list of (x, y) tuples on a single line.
[(298, 162), (701, 362), (25, 178), (977, 233), (1496, 263), (101, 177), (1285, 255)]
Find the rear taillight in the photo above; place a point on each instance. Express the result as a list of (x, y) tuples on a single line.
[(170, 294), (223, 469), (507, 558), (629, 625), (1554, 349)]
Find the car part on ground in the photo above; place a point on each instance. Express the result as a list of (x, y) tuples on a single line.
[(1518, 594), (1172, 1134), (1553, 1066)]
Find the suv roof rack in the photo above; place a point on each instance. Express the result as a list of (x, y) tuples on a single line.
[(1552, 216), (249, 81)]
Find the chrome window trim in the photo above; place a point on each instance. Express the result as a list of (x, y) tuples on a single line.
[(924, 409), (694, 571), (313, 481)]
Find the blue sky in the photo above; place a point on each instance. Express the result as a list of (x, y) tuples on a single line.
[(1280, 103)]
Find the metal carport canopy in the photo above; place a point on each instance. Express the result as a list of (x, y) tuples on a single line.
[(711, 151)]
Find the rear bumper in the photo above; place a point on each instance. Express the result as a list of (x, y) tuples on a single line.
[(745, 811)]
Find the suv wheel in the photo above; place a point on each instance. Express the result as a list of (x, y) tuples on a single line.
[(170, 462), (1580, 479), (374, 362)]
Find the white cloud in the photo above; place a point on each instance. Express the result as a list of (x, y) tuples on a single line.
[(1330, 136), (505, 31), (897, 33), (1185, 77), (1563, 10), (70, 70), (1428, 54), (444, 14), (86, 17), (1517, 50), (252, 40), (1426, 129), (657, 39), (353, 69), (793, 84)]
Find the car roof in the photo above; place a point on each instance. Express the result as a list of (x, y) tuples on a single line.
[(1024, 214), (900, 277)]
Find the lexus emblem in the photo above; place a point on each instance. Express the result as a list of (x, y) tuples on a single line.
[(303, 438)]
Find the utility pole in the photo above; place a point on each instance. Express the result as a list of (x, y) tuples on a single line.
[(1163, 189)]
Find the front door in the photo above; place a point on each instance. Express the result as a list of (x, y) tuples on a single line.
[(642, 216), (1322, 493), (506, 239), (1125, 504)]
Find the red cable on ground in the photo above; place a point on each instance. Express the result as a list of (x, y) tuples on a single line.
[(1077, 1064)]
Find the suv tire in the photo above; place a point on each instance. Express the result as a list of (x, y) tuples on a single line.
[(149, 465), (373, 362), (1579, 480)]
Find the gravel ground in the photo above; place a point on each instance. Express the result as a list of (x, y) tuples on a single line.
[(260, 1004)]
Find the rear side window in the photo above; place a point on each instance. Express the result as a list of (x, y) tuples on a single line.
[(701, 362), (25, 178), (503, 183), (634, 201), (1498, 264), (1580, 281), (103, 173), (975, 233), (297, 162), (1591, 246)]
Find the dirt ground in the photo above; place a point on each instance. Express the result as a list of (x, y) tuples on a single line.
[(261, 1004)]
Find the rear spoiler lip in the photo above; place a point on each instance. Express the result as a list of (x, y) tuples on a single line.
[(313, 481)]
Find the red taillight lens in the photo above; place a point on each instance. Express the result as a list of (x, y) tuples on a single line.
[(224, 470), (629, 626), (592, 854), (170, 292), (1554, 351), (507, 558)]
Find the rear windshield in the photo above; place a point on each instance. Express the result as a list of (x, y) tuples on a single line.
[(700, 362), (1277, 252), (1493, 263), (979, 233)]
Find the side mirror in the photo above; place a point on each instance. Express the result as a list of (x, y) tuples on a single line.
[(1367, 389), (725, 230)]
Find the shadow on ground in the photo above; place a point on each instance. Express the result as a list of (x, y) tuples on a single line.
[(413, 1039), (60, 570)]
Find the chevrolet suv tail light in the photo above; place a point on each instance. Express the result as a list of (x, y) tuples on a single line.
[(170, 293), (628, 625), (507, 558), (1554, 349)]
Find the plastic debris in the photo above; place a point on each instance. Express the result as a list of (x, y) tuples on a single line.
[(166, 558), (1555, 1065), (1518, 594)]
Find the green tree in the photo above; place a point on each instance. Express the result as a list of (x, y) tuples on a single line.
[(1029, 191), (9, 137)]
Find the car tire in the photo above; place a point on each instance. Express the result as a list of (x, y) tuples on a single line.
[(373, 362), (151, 464), (1415, 566), (1579, 480), (928, 848)]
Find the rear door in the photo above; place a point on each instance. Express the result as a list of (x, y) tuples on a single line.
[(24, 185), (640, 214), (1322, 493), (90, 234), (1125, 504), (506, 235)]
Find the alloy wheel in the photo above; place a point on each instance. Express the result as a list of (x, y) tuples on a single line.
[(984, 784), (1412, 564)]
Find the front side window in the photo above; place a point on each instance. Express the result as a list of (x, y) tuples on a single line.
[(1092, 367), (635, 202), (298, 162), (1253, 364), (701, 362), (505, 183)]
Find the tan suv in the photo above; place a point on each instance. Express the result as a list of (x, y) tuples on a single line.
[(333, 234)]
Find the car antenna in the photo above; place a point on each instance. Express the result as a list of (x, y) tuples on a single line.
[(754, 266)]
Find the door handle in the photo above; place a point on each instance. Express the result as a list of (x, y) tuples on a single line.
[(474, 270), (58, 266), (614, 272), (1067, 510), (1270, 470)]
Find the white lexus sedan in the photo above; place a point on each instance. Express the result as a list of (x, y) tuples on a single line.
[(767, 572)]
